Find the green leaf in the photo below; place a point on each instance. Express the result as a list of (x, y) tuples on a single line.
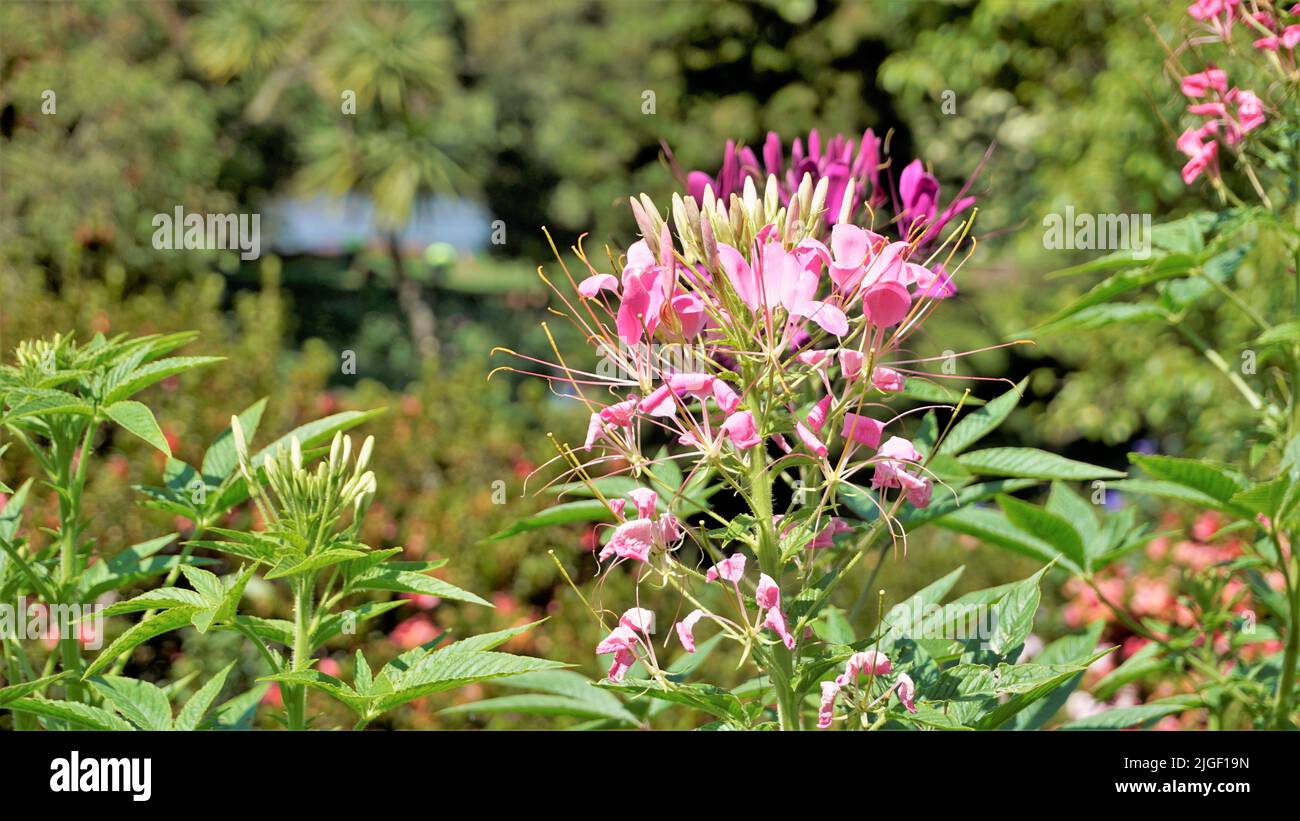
[(25, 688), (1013, 615), (587, 510), (146, 375), (446, 669), (139, 633), (191, 715), (1031, 463), (238, 713), (139, 702), (1200, 475), (571, 685), (1046, 526), (1104, 316), (703, 697), (993, 527), (924, 390), (295, 565), (136, 418), (333, 624), (394, 577), (73, 712), (1122, 717), (980, 423), (1121, 283)]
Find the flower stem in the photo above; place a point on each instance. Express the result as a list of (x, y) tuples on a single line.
[(295, 697), (769, 560)]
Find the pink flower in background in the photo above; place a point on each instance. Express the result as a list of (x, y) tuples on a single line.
[(413, 632)]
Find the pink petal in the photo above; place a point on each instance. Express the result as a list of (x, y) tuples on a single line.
[(593, 285), (686, 629), (862, 429)]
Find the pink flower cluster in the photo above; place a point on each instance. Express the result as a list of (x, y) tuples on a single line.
[(1229, 113), (839, 160), (635, 538), (872, 663), (777, 298)]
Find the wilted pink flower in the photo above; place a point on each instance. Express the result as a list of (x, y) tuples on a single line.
[(638, 619), (817, 416), (870, 662), (729, 569), (686, 629), (767, 594), (826, 711), (906, 692), (775, 621), (826, 538), (645, 500), (622, 643)]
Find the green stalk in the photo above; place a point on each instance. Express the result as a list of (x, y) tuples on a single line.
[(769, 561), (295, 696), (1286, 683)]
